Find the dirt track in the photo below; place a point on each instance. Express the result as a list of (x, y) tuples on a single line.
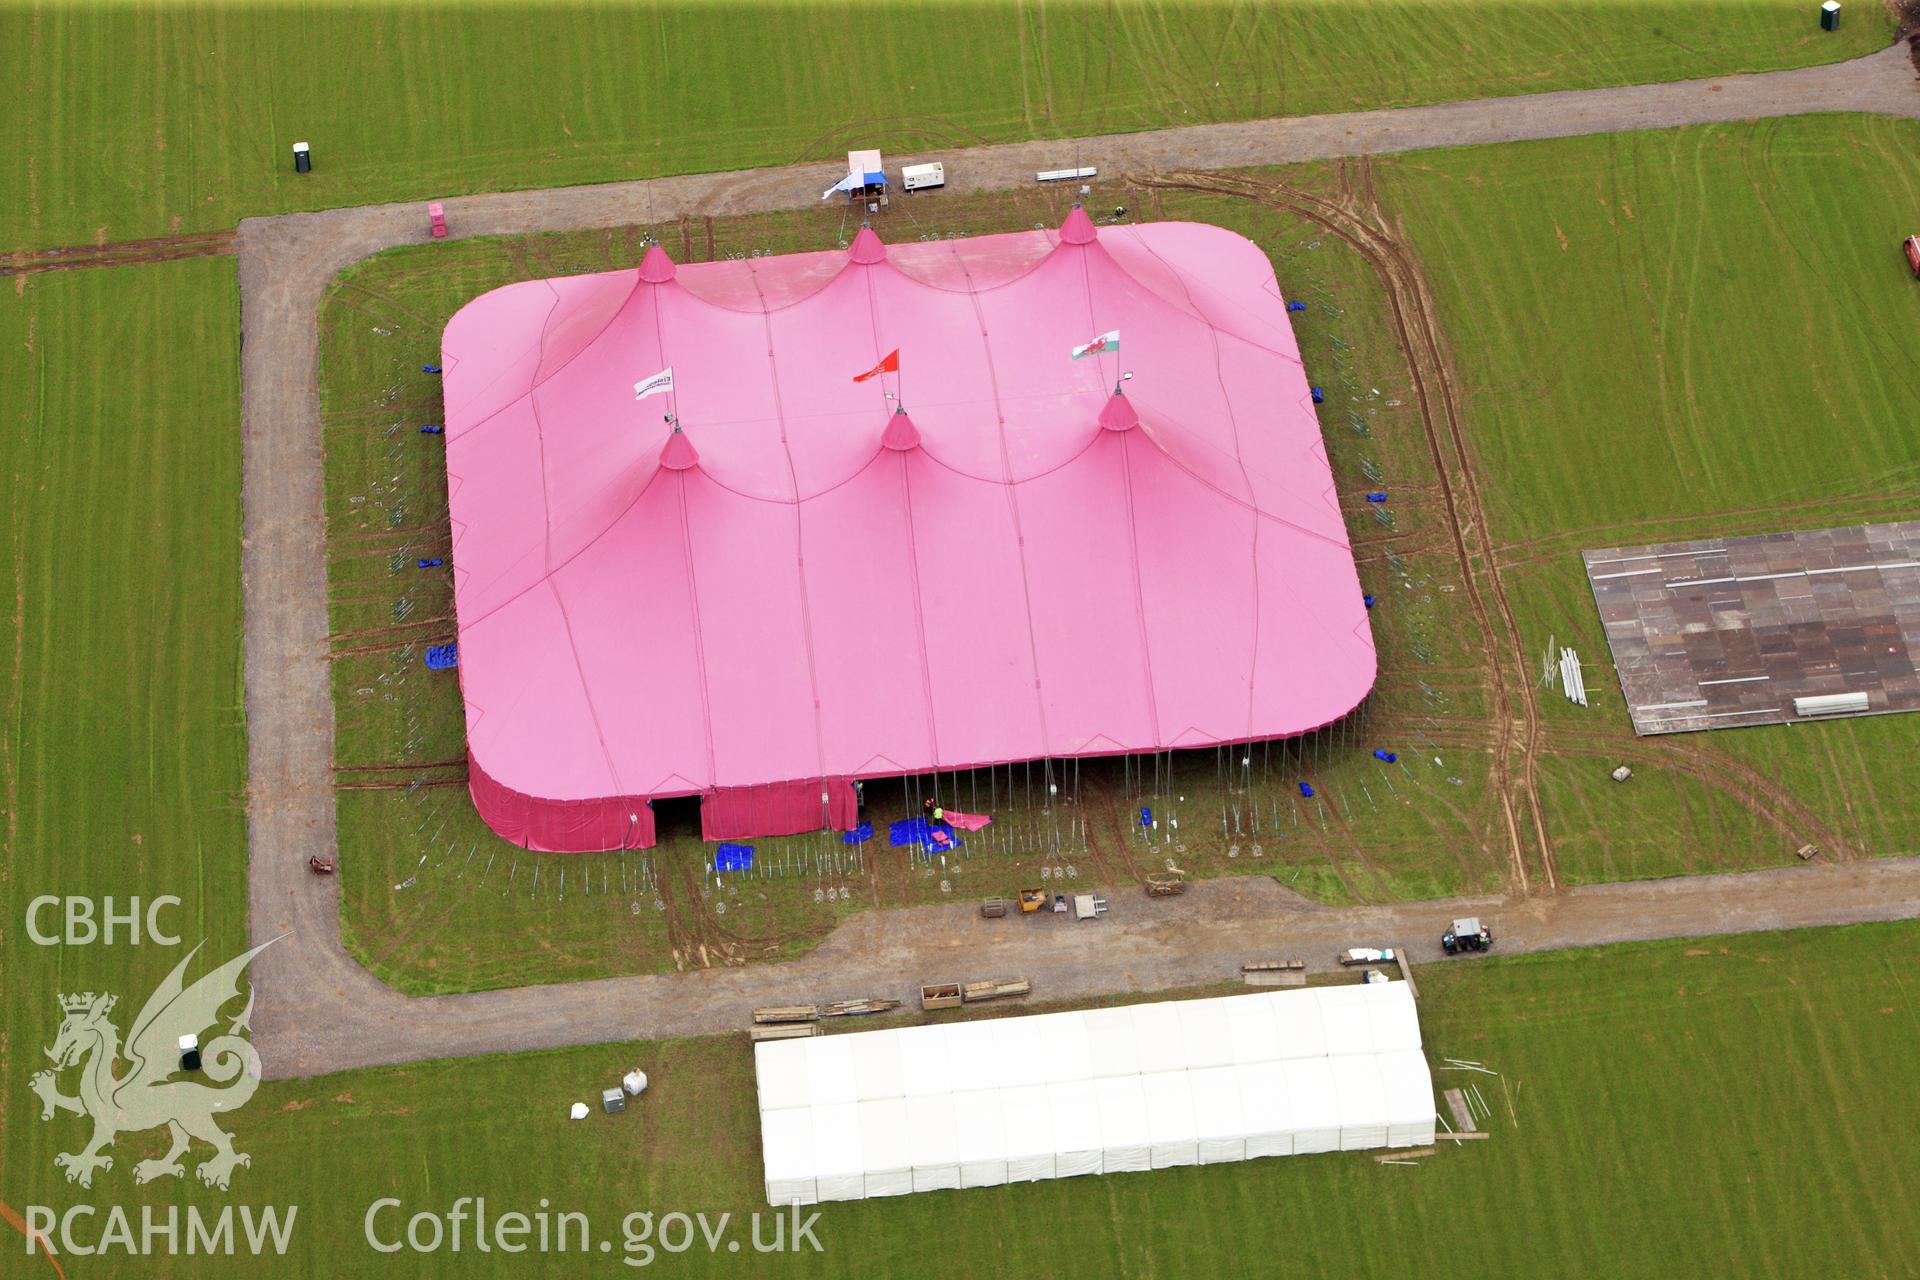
[(318, 1011)]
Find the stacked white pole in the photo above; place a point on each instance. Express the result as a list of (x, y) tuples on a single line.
[(1572, 682)]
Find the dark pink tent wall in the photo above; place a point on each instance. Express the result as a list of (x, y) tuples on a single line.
[(561, 826), (780, 809)]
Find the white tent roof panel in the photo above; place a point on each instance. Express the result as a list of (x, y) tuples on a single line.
[(780, 1067), (1298, 1023), (1395, 1023), (786, 1140), (1219, 1116), (973, 1060), (1206, 1033), (1020, 1045), (1065, 1046), (1111, 1042), (1363, 1101), (1349, 1024), (1171, 1130), (1310, 1087), (1077, 1138), (1157, 1042), (877, 1069), (981, 1132), (1407, 1082), (886, 1147), (1102, 1091), (926, 1061), (1123, 1124), (1267, 1109), (1029, 1130), (838, 1161), (830, 1078), (933, 1142), (1254, 1033)]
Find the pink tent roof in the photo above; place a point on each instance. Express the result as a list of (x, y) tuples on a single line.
[(801, 583)]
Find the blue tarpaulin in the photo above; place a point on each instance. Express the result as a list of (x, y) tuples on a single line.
[(1382, 754), (733, 857), (859, 835), (923, 832), (1306, 789), (443, 657)]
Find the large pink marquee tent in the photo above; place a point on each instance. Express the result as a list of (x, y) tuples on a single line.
[(801, 584)]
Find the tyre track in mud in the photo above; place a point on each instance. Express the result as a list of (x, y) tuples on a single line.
[(120, 253), (1355, 220)]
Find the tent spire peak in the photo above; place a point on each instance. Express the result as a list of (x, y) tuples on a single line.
[(868, 248), (1118, 413), (678, 454), (655, 266), (901, 435), (1078, 228)]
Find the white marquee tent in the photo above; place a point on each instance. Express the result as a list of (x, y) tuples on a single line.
[(1152, 1086)]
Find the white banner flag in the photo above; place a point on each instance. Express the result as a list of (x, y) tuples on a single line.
[(659, 384)]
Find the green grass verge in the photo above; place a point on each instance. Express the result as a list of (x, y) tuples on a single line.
[(1656, 1104), (127, 121), (122, 735)]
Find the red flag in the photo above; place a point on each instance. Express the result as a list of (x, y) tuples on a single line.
[(889, 365)]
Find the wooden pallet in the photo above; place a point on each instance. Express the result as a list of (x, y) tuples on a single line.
[(1416, 1154), (863, 1007), (995, 989), (1274, 973), (1462, 1113), (783, 1031), (786, 1013)]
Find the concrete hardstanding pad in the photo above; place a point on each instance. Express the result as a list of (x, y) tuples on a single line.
[(1729, 631)]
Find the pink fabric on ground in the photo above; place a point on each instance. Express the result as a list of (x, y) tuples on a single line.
[(964, 821), (803, 584), (780, 809)]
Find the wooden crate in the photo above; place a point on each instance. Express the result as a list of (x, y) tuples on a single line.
[(994, 908), (940, 995)]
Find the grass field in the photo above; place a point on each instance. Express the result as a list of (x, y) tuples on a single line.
[(130, 121), (1676, 335), (1483, 222), (1741, 1100), (122, 740)]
